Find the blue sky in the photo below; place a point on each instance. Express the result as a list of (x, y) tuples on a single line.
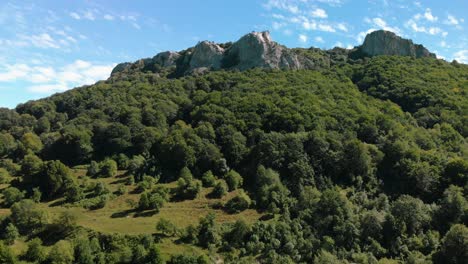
[(50, 46)]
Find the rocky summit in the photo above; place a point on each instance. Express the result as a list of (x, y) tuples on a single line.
[(383, 42), (257, 49)]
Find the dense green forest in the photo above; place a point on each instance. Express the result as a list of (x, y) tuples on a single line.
[(362, 162)]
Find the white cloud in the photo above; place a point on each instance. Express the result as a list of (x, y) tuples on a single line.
[(135, 25), (42, 74), (309, 25), (302, 38), (43, 41), (108, 17), (361, 36), (46, 79), (382, 24), (379, 22), (451, 20), (339, 44), (443, 44), (434, 30), (342, 27), (14, 72), (461, 56), (411, 24), (75, 16), (89, 15), (331, 2), (428, 15), (320, 13), (414, 26), (277, 25), (319, 39), (325, 27), (282, 5)]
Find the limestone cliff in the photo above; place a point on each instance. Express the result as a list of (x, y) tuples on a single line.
[(383, 42), (257, 49)]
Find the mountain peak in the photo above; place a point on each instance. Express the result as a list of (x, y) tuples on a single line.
[(382, 42)]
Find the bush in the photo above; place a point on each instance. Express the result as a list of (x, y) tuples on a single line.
[(11, 167), (121, 190), (11, 234), (61, 252), (238, 203), (74, 193), (186, 259), (153, 200), (233, 180), (108, 168), (93, 169), (100, 188), (220, 189), (5, 176), (35, 251), (187, 187), (27, 216), (146, 184), (36, 195), (208, 179), (154, 255), (6, 255), (12, 195), (166, 227)]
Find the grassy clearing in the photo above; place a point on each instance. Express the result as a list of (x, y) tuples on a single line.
[(116, 216), (104, 220)]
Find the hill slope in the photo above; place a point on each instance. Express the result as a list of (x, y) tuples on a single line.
[(354, 159)]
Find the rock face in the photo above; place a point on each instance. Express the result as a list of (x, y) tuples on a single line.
[(166, 59), (206, 55), (383, 42), (257, 49)]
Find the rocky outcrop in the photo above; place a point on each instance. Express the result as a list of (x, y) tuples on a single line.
[(166, 59), (258, 50), (206, 55), (383, 42)]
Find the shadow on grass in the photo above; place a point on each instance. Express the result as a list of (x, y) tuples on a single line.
[(124, 213), (136, 213), (124, 180), (59, 202), (146, 213)]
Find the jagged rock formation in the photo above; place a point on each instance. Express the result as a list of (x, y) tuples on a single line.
[(166, 59), (206, 55), (257, 49), (383, 42)]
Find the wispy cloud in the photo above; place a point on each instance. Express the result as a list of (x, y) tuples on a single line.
[(382, 24), (303, 15), (461, 56), (320, 13), (47, 79), (451, 20), (108, 17), (75, 16), (429, 16), (302, 38)]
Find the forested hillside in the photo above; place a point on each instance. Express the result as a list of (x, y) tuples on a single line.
[(362, 161)]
